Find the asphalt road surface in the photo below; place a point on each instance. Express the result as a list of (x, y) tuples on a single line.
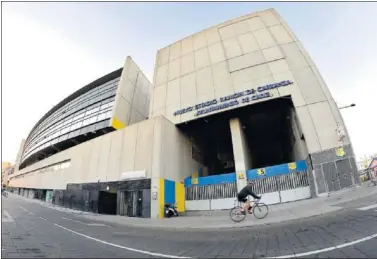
[(32, 230)]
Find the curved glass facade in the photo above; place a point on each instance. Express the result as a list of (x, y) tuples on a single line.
[(88, 112)]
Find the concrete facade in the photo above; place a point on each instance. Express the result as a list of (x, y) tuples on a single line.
[(248, 52), (19, 155), (132, 97), (115, 100), (245, 53), (154, 145)]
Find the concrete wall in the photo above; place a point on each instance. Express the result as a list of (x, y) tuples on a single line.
[(19, 155), (240, 54), (244, 53), (132, 98), (153, 145)]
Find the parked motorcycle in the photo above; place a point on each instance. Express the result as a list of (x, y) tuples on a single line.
[(171, 211), (4, 193)]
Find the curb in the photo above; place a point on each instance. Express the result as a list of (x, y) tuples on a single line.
[(224, 227), (97, 217)]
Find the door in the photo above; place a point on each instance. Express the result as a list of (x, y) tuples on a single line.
[(345, 173), (331, 177), (131, 203)]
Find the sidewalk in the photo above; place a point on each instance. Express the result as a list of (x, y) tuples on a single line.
[(220, 219), (277, 213)]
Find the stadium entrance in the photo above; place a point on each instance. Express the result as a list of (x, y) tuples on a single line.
[(270, 135)]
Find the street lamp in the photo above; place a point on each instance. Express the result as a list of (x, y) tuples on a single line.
[(347, 106), (346, 131)]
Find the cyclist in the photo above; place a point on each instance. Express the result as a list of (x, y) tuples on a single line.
[(242, 197)]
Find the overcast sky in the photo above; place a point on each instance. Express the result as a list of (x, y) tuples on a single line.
[(52, 49)]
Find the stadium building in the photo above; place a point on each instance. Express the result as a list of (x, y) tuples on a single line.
[(240, 101)]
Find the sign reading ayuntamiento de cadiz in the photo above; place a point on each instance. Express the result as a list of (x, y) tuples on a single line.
[(233, 99)]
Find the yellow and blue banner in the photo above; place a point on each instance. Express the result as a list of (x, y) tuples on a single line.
[(171, 192), (275, 170), (212, 179)]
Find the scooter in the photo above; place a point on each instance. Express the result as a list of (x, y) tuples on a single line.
[(171, 211)]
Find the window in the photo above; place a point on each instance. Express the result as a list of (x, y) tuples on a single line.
[(108, 114), (85, 122), (57, 133), (96, 109), (63, 137), (89, 111), (79, 116), (54, 141), (111, 104), (65, 130), (101, 116), (104, 106), (68, 121), (79, 124), (76, 133), (93, 119), (76, 126)]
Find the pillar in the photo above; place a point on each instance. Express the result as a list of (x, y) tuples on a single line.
[(241, 152), (300, 151)]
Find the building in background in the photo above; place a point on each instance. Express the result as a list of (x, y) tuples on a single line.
[(6, 170), (372, 168), (365, 161), (240, 101)]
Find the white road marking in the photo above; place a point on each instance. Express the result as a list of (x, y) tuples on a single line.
[(77, 221), (22, 208), (122, 247), (96, 225), (87, 224), (42, 218), (329, 248), (31, 213), (368, 207), (71, 211), (7, 218)]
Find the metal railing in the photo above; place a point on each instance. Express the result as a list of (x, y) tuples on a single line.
[(281, 182), (209, 192), (261, 185)]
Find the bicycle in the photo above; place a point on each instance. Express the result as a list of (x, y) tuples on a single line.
[(258, 208)]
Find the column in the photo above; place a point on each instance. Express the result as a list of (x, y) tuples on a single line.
[(241, 154), (300, 151)]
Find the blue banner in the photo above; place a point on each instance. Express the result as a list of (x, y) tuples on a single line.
[(213, 179), (277, 170), (251, 174)]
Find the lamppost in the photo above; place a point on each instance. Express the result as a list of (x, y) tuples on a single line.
[(341, 117), (347, 106), (346, 131)]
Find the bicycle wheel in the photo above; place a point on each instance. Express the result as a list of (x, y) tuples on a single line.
[(236, 214), (260, 210)]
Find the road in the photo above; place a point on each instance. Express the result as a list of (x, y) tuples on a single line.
[(32, 230)]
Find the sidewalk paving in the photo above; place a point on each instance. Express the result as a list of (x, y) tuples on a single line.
[(221, 220), (277, 213)]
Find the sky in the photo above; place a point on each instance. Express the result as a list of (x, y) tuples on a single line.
[(50, 50)]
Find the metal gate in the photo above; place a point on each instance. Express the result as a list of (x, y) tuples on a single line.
[(210, 192), (280, 182), (130, 203)]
